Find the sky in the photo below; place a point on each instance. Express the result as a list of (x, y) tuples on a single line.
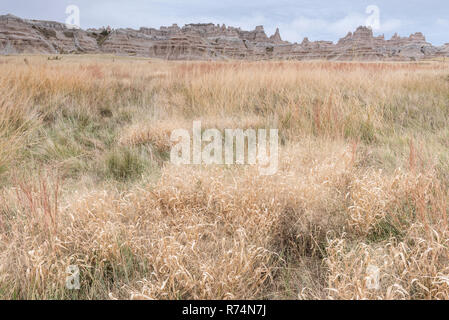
[(317, 20)]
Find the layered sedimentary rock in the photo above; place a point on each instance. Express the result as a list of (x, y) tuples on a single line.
[(33, 36), (206, 42)]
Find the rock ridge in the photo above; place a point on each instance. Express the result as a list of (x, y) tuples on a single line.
[(207, 41)]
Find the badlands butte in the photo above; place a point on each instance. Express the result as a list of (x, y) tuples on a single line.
[(206, 42)]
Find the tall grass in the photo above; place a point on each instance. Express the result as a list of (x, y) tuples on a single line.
[(86, 181)]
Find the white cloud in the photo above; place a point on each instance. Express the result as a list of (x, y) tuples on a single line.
[(348, 23), (390, 25), (442, 22)]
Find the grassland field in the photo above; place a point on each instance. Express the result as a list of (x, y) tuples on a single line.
[(85, 180)]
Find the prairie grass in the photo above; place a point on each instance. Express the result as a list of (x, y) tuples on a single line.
[(86, 180)]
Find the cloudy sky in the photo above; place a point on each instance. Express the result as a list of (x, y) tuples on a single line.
[(317, 20)]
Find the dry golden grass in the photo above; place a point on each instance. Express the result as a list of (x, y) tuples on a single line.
[(86, 180)]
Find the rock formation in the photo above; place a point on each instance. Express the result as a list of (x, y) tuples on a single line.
[(206, 42)]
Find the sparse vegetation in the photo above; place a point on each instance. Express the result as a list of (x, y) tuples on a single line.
[(85, 180)]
